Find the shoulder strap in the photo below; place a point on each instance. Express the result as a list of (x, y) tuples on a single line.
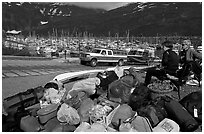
[(21, 101), (150, 126)]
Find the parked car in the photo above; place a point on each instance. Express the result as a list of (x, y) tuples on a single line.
[(138, 56), (142, 56)]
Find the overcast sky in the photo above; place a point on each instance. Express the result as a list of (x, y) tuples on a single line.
[(103, 5)]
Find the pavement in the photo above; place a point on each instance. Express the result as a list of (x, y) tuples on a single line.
[(20, 61), (15, 66)]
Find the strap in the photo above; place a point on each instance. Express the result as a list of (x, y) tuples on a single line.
[(35, 95), (135, 116), (150, 126), (129, 120), (21, 101)]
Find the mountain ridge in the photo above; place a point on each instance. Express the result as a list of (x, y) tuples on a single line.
[(135, 19)]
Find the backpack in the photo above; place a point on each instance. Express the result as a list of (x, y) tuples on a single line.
[(123, 112), (181, 116), (122, 88), (139, 97), (155, 114), (193, 104)]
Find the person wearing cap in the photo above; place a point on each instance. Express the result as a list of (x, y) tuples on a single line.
[(170, 63)]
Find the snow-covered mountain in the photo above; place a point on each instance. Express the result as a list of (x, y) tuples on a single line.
[(147, 19)]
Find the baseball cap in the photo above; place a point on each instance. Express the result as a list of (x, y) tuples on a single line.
[(168, 44)]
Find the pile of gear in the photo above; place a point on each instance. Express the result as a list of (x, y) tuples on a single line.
[(106, 103)]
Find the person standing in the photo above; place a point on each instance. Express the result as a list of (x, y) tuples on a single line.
[(169, 65)]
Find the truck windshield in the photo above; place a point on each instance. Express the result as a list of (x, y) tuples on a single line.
[(96, 51)]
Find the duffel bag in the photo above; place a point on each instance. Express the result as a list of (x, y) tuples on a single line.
[(123, 112), (77, 99), (47, 113), (120, 90), (139, 97), (181, 116), (22, 100), (30, 124), (53, 125), (155, 114), (193, 104)]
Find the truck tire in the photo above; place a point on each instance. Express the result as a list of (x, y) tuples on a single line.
[(93, 62), (120, 62)]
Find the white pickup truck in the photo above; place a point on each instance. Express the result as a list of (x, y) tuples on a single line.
[(103, 55)]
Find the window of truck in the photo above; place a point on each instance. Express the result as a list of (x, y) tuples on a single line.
[(109, 53), (103, 52)]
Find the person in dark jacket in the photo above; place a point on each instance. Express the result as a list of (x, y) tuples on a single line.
[(170, 63), (107, 78)]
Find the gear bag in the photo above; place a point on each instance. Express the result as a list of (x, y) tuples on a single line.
[(22, 100), (155, 114), (136, 123), (121, 88), (140, 97), (181, 116), (30, 124), (47, 113), (123, 112), (193, 104)]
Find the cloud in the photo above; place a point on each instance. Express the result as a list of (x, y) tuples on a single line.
[(103, 5)]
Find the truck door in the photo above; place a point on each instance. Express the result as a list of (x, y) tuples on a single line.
[(110, 56)]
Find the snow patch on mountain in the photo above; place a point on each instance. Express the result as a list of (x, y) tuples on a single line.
[(43, 22)]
